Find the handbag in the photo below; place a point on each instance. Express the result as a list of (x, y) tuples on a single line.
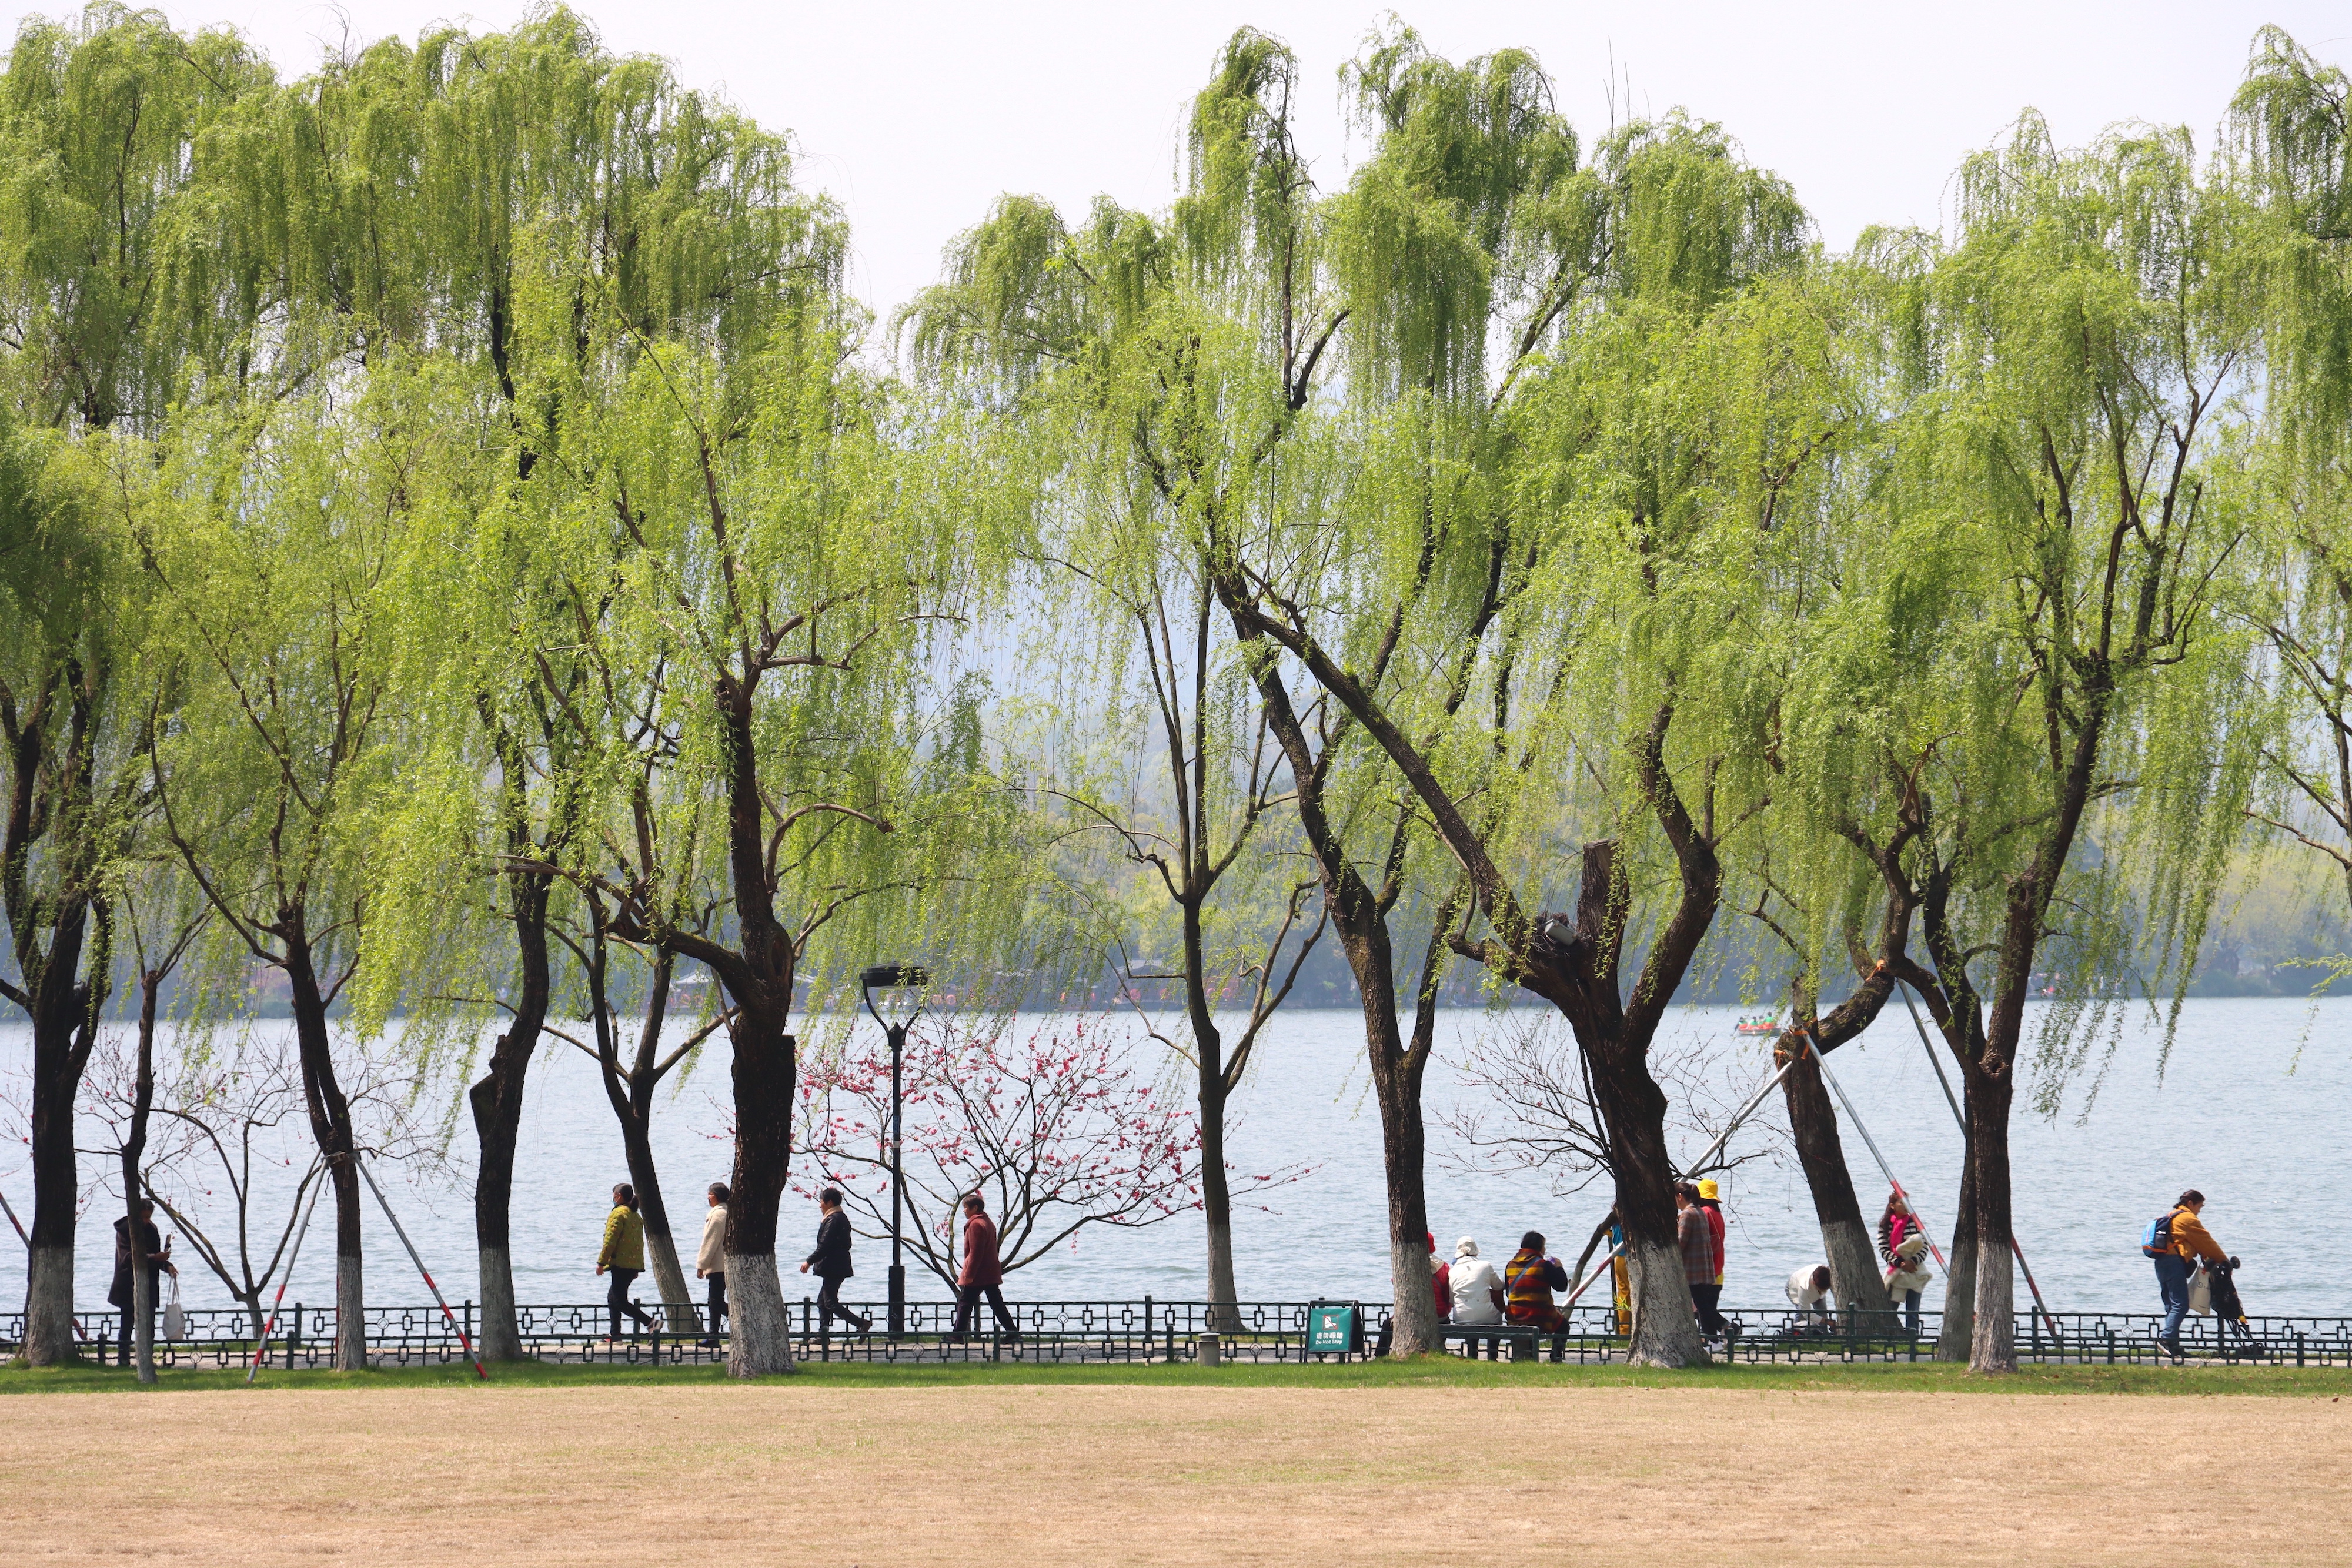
[(2200, 1294), (175, 1321)]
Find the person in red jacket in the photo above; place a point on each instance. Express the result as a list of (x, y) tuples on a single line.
[(982, 1274), (1441, 1279)]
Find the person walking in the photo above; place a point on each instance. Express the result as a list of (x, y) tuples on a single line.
[(983, 1272), (1901, 1241), (1710, 1198), (831, 1261), (149, 1251), (623, 1257), (710, 1259), (2177, 1242), (1696, 1239)]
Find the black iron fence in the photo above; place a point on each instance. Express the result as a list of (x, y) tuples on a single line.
[(1150, 1330)]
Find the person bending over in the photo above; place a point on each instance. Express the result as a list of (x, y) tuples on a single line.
[(1809, 1292)]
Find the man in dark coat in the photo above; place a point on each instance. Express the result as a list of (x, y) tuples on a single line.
[(831, 1261), (153, 1256)]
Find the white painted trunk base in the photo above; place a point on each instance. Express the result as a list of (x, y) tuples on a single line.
[(760, 1341)]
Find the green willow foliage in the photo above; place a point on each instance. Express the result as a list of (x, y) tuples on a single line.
[(451, 511)]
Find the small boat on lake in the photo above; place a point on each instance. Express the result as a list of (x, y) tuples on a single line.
[(1757, 1026)]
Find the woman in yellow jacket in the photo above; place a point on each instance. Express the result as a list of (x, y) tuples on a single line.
[(624, 1256), (2190, 1243)]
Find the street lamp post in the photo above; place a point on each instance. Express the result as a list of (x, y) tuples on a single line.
[(895, 978)]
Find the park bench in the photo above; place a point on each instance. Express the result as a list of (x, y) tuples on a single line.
[(1523, 1339)]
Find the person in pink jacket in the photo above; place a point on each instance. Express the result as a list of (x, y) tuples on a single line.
[(983, 1273)]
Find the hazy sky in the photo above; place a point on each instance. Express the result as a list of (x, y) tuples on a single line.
[(916, 115)]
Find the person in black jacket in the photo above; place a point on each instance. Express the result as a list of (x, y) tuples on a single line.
[(153, 1256), (831, 1261)]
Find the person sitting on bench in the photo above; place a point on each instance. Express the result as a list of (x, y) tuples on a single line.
[(1528, 1280), (1478, 1292)]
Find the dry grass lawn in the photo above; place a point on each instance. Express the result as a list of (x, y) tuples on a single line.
[(1062, 1475)]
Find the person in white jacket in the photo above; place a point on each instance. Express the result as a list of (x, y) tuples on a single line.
[(1809, 1292), (710, 1259), (1478, 1291)]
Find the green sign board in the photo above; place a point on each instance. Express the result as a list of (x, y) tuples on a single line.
[(1332, 1329)]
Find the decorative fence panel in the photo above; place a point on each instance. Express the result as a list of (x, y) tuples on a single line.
[(1150, 1330)]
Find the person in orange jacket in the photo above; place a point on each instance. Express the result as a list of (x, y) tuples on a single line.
[(2190, 1243)]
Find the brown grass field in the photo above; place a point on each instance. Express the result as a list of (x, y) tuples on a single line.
[(1045, 1474)]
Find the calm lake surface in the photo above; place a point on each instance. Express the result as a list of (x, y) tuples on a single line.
[(2251, 1108)]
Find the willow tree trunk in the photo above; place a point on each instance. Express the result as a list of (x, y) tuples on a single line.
[(497, 1102), (1633, 1111), (1216, 1195), (59, 1049), (1993, 1341), (764, 1075), (1396, 1085), (134, 1148), (661, 1249), (1958, 1328), (1846, 1242), (330, 1125)]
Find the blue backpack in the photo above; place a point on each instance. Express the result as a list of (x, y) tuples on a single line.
[(2157, 1242)]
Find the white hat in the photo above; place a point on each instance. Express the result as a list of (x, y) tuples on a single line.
[(1466, 1247)]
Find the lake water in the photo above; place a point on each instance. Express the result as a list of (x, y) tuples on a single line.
[(2251, 1108)]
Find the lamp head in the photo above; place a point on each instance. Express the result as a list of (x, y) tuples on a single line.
[(894, 978)]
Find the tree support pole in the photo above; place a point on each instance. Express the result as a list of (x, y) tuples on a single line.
[(1746, 1111), (1942, 1082), (413, 1257), (283, 1280)]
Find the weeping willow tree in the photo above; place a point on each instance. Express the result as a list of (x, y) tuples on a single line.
[(113, 304), (533, 164), (749, 574), (272, 552), (2291, 124), (1543, 528), (1150, 368), (2053, 692)]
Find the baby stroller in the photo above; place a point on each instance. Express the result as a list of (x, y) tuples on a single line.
[(2229, 1312)]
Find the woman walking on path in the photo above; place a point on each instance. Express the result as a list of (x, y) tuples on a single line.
[(1696, 1239), (2184, 1239), (710, 1258), (983, 1273), (1901, 1239), (624, 1255)]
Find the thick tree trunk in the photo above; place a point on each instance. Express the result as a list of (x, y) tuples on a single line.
[(501, 1336), (1960, 1280), (60, 1050), (1992, 1343), (764, 1076), (1846, 1242), (1217, 1203), (1633, 1109), (1396, 1085), (497, 1103), (330, 1125)]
